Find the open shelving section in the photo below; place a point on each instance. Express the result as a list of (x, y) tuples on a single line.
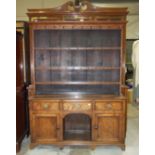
[(68, 58)]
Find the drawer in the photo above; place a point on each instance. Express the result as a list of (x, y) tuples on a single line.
[(109, 105), (77, 105), (45, 105)]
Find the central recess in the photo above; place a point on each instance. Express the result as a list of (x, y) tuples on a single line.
[(77, 127)]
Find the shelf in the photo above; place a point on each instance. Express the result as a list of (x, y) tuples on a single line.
[(77, 83), (77, 48), (77, 135), (77, 68)]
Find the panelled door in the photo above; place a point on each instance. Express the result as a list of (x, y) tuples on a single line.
[(46, 127), (108, 127)]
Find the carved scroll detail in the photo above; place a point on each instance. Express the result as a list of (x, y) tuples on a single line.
[(76, 106)]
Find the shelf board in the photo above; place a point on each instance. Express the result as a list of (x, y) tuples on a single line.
[(77, 83), (77, 48), (78, 68)]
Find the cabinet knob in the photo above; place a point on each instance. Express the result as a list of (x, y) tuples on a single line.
[(45, 106), (96, 127), (57, 127)]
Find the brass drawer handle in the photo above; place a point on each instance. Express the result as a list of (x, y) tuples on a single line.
[(45, 106), (108, 106)]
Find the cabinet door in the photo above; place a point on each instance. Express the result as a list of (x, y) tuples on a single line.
[(109, 127), (46, 127)]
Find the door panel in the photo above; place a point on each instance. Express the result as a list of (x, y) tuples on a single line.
[(46, 127), (107, 127)]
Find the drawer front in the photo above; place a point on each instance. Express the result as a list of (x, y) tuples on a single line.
[(77, 106), (45, 105), (109, 106)]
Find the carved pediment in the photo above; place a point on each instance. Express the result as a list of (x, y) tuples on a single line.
[(82, 6), (69, 10), (67, 7)]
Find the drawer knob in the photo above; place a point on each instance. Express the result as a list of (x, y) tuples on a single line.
[(45, 106), (96, 127), (109, 106)]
